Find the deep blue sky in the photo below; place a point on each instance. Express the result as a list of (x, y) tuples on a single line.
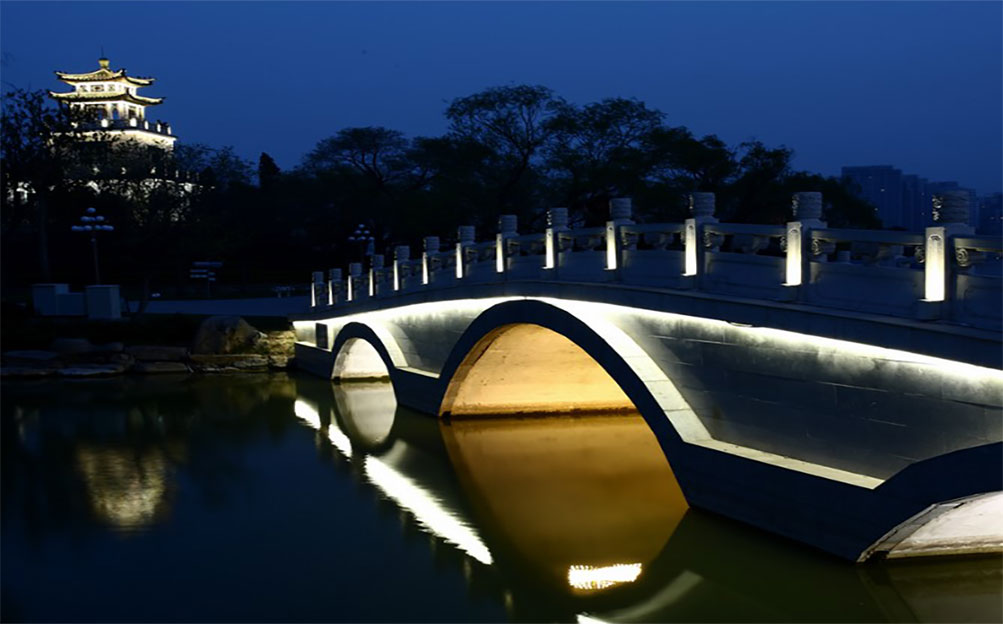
[(913, 84)]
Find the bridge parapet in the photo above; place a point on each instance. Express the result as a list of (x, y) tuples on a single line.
[(944, 273)]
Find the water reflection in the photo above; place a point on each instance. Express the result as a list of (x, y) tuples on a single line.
[(429, 512), (367, 413), (587, 501), (581, 519), (220, 482), (125, 488)]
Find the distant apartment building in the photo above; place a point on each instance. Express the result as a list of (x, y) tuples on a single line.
[(881, 185), (916, 202), (991, 214), (904, 200)]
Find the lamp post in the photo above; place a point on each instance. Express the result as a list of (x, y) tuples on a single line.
[(365, 240), (92, 223)]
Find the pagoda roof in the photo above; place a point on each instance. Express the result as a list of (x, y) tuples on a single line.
[(87, 96), (104, 74)]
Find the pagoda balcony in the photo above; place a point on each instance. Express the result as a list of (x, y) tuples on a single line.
[(155, 127)]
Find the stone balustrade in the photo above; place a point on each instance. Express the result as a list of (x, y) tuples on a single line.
[(945, 273)]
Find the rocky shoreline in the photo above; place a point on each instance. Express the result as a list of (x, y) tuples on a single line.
[(222, 345)]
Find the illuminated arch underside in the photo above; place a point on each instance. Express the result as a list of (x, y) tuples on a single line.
[(359, 361), (528, 369)]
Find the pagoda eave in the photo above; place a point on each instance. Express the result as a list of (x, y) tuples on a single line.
[(104, 76), (93, 98)]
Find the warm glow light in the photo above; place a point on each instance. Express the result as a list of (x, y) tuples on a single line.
[(690, 240), (793, 254), (611, 246), (459, 260), (428, 511), (590, 577), (500, 253), (372, 282), (350, 288), (125, 489), (397, 279), (935, 264), (424, 268)]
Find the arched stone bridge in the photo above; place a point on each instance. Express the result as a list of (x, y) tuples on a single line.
[(854, 431)]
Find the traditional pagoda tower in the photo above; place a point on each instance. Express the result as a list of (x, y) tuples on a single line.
[(110, 99)]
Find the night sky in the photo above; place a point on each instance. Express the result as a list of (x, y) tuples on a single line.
[(912, 84)]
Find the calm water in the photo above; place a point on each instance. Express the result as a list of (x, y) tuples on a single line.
[(276, 498)]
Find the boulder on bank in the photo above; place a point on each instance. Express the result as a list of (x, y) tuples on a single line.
[(219, 335), (153, 368), (230, 363), (155, 353)]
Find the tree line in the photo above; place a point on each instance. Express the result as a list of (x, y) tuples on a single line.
[(508, 150)]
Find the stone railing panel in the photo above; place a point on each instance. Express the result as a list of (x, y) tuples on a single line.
[(743, 260), (977, 281), (653, 255), (875, 271)]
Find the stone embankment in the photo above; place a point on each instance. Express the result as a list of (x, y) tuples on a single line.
[(221, 345)]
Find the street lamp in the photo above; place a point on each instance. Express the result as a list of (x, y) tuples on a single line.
[(362, 236), (92, 223)]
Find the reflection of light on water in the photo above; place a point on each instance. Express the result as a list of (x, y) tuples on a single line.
[(648, 610), (309, 414), (590, 577), (426, 509), (339, 440), (125, 489)]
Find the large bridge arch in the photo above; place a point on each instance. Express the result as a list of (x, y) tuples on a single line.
[(641, 382)]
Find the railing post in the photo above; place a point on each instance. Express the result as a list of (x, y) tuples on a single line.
[(354, 273), (557, 222), (807, 207), (428, 258), (507, 228), (402, 253), (316, 288), (333, 286), (619, 214), (950, 210), (702, 209), (464, 238), (375, 274)]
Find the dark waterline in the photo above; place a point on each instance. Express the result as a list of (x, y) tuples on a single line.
[(284, 498)]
